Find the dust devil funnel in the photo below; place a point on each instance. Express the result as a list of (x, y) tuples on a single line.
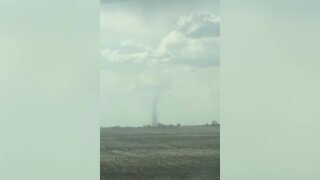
[(155, 103)]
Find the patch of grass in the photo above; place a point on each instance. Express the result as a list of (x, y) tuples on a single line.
[(175, 153)]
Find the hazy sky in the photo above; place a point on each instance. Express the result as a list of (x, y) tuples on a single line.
[(169, 45)]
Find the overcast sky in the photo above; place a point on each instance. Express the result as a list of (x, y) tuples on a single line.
[(151, 45)]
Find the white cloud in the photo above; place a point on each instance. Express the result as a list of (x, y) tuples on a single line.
[(192, 51), (199, 24), (116, 56), (194, 41)]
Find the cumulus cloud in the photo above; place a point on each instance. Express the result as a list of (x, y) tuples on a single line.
[(199, 24), (192, 51), (131, 52), (116, 56), (194, 41)]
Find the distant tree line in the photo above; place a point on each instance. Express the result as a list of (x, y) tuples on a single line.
[(213, 123)]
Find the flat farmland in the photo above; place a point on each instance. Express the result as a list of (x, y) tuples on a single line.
[(160, 153)]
